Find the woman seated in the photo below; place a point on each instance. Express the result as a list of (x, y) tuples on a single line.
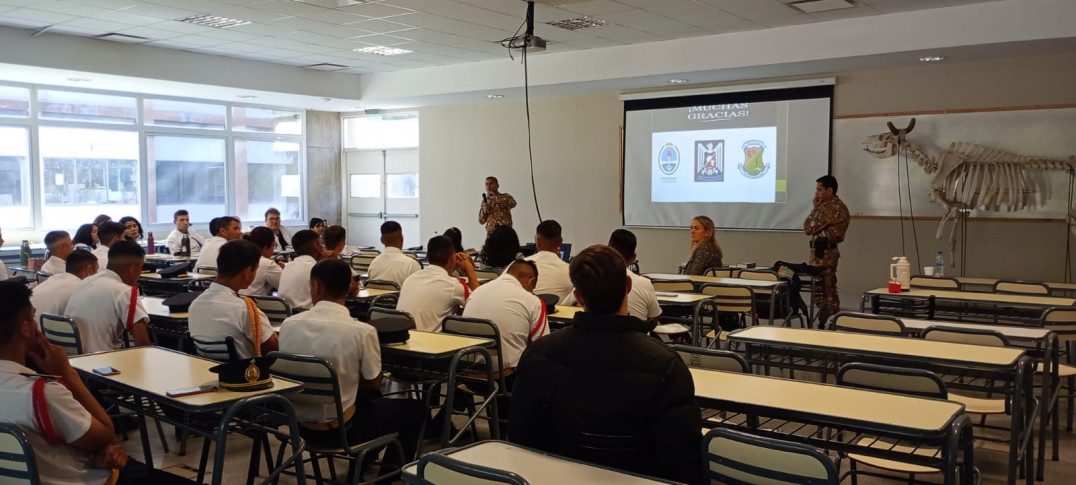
[(134, 228), (705, 253), (500, 249)]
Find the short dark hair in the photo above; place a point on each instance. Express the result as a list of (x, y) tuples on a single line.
[(54, 237), (624, 242), (109, 230), (828, 182), (439, 250), (261, 236), (125, 219), (522, 267), (101, 219), (334, 235), (225, 221), (122, 251), (237, 255), (494, 179), (303, 242), (600, 275), (271, 210), (456, 236), (389, 227), (181, 212), (79, 259), (16, 308), (548, 229), (316, 221), (334, 275)]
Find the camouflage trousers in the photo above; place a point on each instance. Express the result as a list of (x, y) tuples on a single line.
[(827, 300)]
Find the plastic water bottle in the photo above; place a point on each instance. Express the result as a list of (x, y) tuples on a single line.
[(25, 254), (939, 265), (150, 247)]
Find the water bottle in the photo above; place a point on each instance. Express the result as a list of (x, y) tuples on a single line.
[(939, 265), (185, 246), (24, 254), (150, 247)]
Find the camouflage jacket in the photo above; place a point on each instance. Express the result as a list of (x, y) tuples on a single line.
[(496, 210), (830, 220)]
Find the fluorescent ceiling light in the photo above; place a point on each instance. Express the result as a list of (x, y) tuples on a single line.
[(214, 21), (380, 50), (578, 23), (677, 81), (494, 96), (815, 6), (931, 58)]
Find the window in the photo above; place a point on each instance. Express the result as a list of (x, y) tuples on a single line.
[(87, 172), (163, 112), (402, 185), (14, 102), (15, 178), (271, 171), (186, 172), (397, 130), (264, 120), (365, 185), (101, 108)]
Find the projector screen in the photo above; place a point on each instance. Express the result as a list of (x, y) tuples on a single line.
[(748, 160)]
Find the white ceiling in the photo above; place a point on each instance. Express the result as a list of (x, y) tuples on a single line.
[(439, 32)]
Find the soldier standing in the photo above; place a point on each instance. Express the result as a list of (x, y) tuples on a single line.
[(826, 225), (496, 207)]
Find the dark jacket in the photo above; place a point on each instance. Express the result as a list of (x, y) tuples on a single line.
[(706, 256), (604, 392)]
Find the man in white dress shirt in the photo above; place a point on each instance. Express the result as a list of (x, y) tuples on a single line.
[(3, 269), (106, 305), (224, 229), (182, 220), (108, 233), (269, 271), (280, 233), (328, 331), (295, 279), (642, 300), (52, 296), (60, 245), (432, 294), (219, 312), (393, 265), (509, 303), (552, 270)]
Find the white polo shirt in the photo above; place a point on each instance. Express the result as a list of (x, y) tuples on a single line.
[(220, 313), (352, 349), (52, 296), (210, 250), (102, 256), (393, 265), (642, 300), (175, 242), (518, 313), (56, 464), (430, 295), (54, 266), (99, 306), (552, 275), (267, 278), (295, 282), (287, 239)]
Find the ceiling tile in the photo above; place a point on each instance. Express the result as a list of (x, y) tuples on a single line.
[(39, 16), (151, 33), (127, 18), (376, 10), (183, 27), (597, 8), (299, 23), (379, 26), (96, 24), (160, 11), (70, 8)]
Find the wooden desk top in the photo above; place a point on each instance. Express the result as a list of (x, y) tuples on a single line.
[(978, 297), (154, 370), (166, 257), (191, 276), (925, 416), (433, 345), (565, 312), (672, 298), (714, 279), (1013, 332), (155, 307), (895, 347), (365, 294), (973, 280), (536, 467)]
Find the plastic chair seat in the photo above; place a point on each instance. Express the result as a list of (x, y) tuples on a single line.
[(1064, 370), (671, 329), (722, 337), (893, 465), (978, 405)]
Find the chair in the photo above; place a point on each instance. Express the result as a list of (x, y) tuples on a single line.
[(382, 285), (867, 323), (731, 299), (221, 350), (206, 270), (983, 406), (1062, 321), (388, 300), (665, 285), (17, 463), (321, 387), (1021, 287), (274, 307), (783, 304), (361, 262), (710, 359), (271, 412), (437, 469), (482, 328), (934, 282), (735, 457), (62, 331), (379, 315), (723, 272), (415, 257)]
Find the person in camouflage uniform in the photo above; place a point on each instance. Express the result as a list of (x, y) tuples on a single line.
[(496, 209), (826, 225)]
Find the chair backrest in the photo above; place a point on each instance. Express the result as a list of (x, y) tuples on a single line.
[(934, 282), (960, 335), (382, 285), (735, 457), (379, 315), (1014, 287), (711, 359), (415, 257), (207, 270), (660, 285), (274, 307), (437, 469), (62, 331), (361, 262), (321, 384), (388, 300), (42, 277), (476, 327), (759, 274), (1062, 321), (730, 298), (867, 323), (723, 272), (565, 252), (221, 349), (17, 463), (272, 412), (369, 252), (903, 380)]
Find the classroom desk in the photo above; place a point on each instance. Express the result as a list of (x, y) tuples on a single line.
[(796, 410), (980, 284), (563, 315), (367, 294), (757, 287), (191, 276), (536, 467), (992, 305), (999, 370)]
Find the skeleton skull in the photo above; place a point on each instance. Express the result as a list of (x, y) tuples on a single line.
[(882, 145)]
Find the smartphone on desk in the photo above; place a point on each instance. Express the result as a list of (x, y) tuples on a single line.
[(190, 391), (106, 371)]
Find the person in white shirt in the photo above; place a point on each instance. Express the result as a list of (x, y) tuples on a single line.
[(59, 245), (328, 331), (295, 279), (432, 294), (280, 233), (509, 303), (182, 220), (552, 270), (52, 296), (268, 277), (219, 312), (108, 233), (224, 229), (106, 304), (642, 300), (393, 265), (333, 241)]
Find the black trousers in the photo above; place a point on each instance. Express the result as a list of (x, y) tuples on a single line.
[(376, 416), (137, 473)]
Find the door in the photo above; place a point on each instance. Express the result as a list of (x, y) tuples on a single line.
[(382, 185)]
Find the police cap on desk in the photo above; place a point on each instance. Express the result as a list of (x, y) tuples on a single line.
[(392, 330), (245, 375), (181, 302), (175, 271)]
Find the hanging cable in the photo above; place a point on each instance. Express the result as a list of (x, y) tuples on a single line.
[(900, 203), (911, 210), (1068, 228), (530, 147)]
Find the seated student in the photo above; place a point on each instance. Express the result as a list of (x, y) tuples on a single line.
[(133, 228), (60, 245), (508, 301), (219, 312), (334, 239), (643, 300), (86, 237), (317, 225), (106, 304), (182, 220), (269, 271), (3, 269), (295, 279), (101, 219), (281, 234), (108, 233), (223, 229), (353, 350), (604, 392), (52, 296), (393, 265), (499, 250), (432, 294), (553, 270)]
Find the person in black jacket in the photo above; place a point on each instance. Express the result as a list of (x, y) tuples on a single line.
[(604, 392)]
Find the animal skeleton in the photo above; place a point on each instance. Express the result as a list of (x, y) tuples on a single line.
[(971, 176)]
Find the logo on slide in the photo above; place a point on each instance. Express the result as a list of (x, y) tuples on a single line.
[(669, 159), (753, 167), (710, 160)]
